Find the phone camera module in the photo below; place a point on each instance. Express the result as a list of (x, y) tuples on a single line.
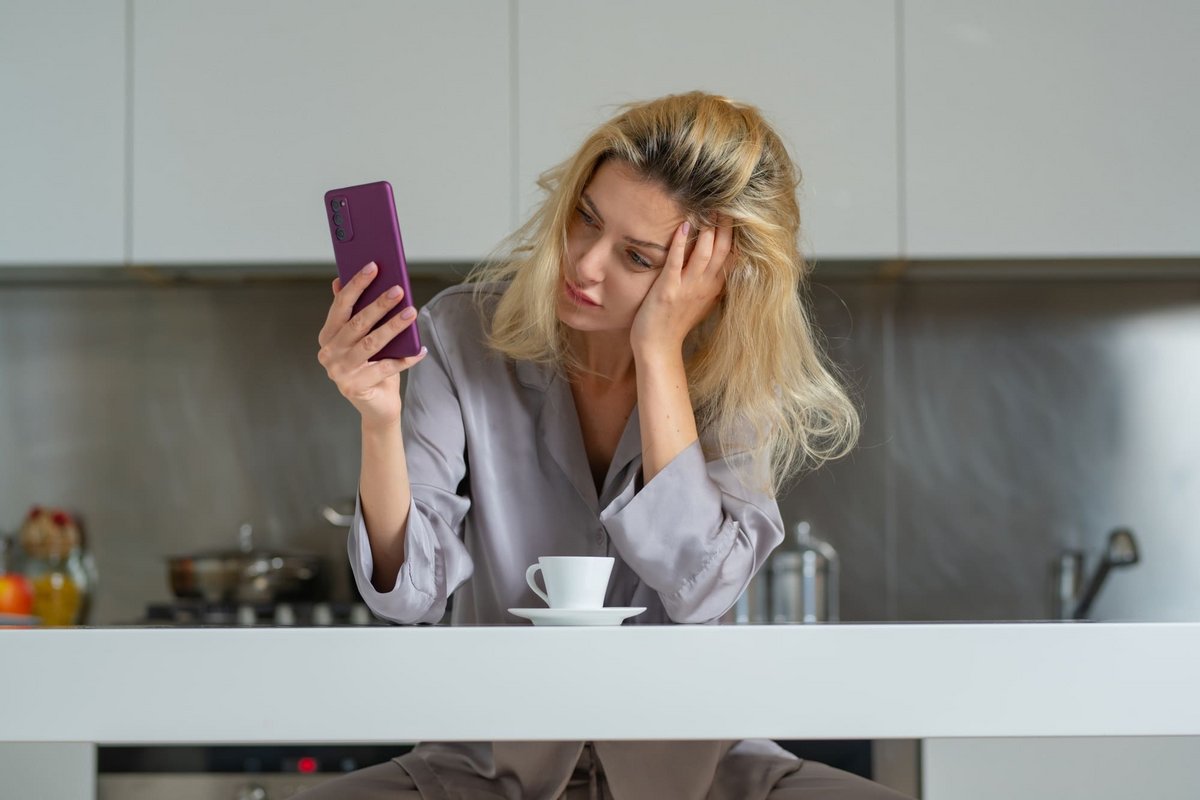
[(337, 220), (336, 204), (341, 234)]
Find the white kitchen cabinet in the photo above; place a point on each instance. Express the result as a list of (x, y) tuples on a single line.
[(62, 143), (1061, 768), (822, 71), (1051, 129), (61, 770), (244, 114)]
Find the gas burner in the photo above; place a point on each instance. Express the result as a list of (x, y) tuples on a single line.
[(200, 614)]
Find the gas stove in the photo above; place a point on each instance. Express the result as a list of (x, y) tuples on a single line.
[(202, 614)]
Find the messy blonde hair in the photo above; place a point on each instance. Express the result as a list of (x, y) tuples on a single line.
[(756, 373)]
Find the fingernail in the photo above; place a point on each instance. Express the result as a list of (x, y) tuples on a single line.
[(393, 292), (687, 228), (369, 268), (408, 313)]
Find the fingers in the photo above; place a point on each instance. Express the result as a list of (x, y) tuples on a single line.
[(359, 383), (376, 372), (348, 331), (676, 255), (359, 326), (394, 366), (711, 251), (348, 342), (371, 342), (344, 299), (703, 251), (345, 360)]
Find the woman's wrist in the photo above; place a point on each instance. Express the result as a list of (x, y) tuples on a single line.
[(657, 354), (380, 430)]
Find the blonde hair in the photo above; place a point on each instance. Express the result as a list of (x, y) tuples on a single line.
[(757, 375)]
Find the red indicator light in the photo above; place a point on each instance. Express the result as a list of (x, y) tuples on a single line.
[(306, 764)]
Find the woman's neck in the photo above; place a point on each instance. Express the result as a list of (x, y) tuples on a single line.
[(603, 355)]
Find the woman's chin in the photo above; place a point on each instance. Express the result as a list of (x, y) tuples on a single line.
[(573, 316), (578, 319)]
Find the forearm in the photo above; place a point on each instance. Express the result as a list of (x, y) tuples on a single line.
[(710, 532), (386, 497), (668, 421)]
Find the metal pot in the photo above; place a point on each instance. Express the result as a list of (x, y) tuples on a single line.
[(248, 575)]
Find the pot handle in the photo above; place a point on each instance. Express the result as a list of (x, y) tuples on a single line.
[(335, 517)]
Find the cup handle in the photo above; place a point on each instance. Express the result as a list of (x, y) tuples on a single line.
[(529, 573)]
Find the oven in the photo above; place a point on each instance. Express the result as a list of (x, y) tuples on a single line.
[(228, 772), (270, 772)]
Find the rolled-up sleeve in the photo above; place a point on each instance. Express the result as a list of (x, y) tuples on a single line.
[(695, 534), (436, 561)]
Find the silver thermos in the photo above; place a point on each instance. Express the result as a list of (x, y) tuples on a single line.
[(799, 584)]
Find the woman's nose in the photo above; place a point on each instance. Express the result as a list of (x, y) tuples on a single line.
[(589, 268)]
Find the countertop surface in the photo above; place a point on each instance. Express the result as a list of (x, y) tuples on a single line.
[(393, 684)]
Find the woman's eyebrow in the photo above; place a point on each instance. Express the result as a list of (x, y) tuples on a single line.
[(631, 240)]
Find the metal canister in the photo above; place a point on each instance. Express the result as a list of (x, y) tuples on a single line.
[(804, 581), (754, 605), (1066, 579)]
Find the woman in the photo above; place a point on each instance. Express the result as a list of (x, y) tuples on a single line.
[(634, 377)]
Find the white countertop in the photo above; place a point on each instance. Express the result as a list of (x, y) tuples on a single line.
[(398, 684)]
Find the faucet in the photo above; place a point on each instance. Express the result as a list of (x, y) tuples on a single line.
[(1069, 602)]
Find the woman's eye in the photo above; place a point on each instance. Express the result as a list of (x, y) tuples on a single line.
[(586, 219), (636, 258)]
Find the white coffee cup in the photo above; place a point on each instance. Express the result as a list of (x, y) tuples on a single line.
[(572, 581)]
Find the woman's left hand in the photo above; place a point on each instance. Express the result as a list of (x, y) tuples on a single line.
[(683, 294)]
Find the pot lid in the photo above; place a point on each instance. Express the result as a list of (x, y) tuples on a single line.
[(245, 549)]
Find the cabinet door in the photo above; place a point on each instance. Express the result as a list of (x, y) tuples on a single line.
[(1051, 129), (62, 144), (1061, 767), (246, 113), (822, 71)]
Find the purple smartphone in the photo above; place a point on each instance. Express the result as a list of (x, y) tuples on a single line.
[(363, 227)]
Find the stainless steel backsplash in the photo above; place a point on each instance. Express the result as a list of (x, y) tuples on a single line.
[(1002, 422)]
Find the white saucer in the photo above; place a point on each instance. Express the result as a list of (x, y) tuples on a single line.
[(609, 615)]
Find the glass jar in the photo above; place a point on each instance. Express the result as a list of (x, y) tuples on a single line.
[(60, 571), (57, 596)]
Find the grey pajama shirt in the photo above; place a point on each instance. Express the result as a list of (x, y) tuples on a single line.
[(499, 477)]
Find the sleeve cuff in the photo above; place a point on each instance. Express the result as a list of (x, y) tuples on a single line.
[(407, 602), (671, 527)]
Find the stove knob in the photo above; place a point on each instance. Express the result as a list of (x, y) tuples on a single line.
[(322, 614), (360, 615), (285, 615), (246, 616), (252, 791)]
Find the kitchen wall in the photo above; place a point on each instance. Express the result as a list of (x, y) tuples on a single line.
[(1003, 420), (1006, 420)]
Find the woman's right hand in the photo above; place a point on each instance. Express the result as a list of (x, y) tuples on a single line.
[(347, 342)]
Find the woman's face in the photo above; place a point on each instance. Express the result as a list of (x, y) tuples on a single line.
[(617, 243)]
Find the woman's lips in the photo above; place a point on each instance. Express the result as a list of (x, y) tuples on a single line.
[(578, 296)]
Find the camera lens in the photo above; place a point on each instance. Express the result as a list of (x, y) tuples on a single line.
[(335, 204), (337, 219), (341, 234)]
